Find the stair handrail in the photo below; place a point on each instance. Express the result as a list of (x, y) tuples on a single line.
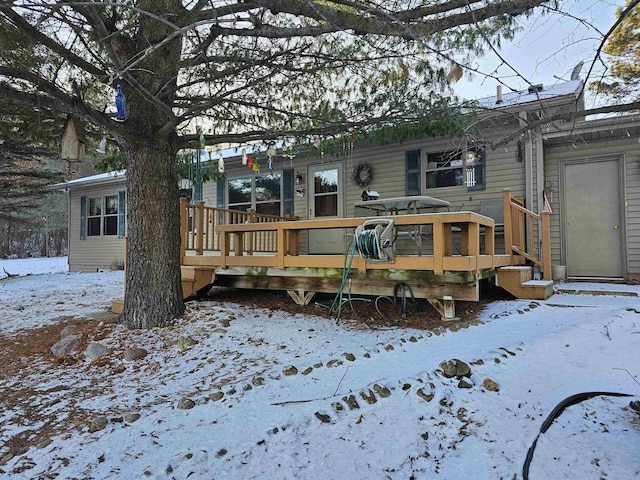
[(516, 242)]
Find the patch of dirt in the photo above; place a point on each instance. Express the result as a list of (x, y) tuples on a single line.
[(28, 351), (419, 312)]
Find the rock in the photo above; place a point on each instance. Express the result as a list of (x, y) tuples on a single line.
[(382, 391), (427, 397), (317, 365), (448, 368), (131, 417), (368, 396), (98, 423), (334, 363), (290, 370), (257, 381), (274, 375), (185, 342), (225, 323), (337, 406), (350, 356), (406, 386), (478, 362), (389, 347), (132, 354), (215, 396), (66, 331), (351, 402), (96, 350), (323, 418), (6, 458), (455, 368), (222, 452), (367, 355), (66, 346), (65, 436), (247, 387), (307, 371), (490, 385), (221, 331), (413, 339), (186, 403), (635, 405), (465, 383), (462, 368), (44, 443)]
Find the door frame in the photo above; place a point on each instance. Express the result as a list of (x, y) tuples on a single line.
[(562, 164), (311, 169)]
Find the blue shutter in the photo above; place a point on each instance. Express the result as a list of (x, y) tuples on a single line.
[(287, 191), (121, 213), (83, 218), (220, 193), (413, 186)]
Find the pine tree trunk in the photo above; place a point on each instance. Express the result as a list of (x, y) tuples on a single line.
[(153, 289)]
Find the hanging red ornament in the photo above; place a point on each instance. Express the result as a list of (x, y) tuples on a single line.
[(249, 160)]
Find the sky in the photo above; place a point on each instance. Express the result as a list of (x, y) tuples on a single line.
[(268, 423), (549, 46)]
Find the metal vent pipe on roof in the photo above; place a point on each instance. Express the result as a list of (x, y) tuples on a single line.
[(498, 94)]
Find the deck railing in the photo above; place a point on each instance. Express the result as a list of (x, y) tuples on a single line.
[(525, 232), (198, 228)]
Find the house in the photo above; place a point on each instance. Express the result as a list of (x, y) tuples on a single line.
[(586, 172), (97, 225)]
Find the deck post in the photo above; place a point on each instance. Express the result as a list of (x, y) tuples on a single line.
[(545, 237), (508, 223), (251, 218), (281, 246), (184, 214), (438, 246), (200, 229)]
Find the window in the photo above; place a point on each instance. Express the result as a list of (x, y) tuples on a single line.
[(262, 193), (325, 192), (102, 218), (457, 168), (444, 169)]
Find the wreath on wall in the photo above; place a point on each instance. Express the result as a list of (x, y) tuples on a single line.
[(361, 175)]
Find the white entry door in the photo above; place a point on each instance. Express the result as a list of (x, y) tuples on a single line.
[(593, 219), (326, 186)]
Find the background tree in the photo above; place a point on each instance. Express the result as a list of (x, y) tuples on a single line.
[(623, 47), (244, 71)]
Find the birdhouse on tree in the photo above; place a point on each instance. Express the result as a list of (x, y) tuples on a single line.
[(73, 144)]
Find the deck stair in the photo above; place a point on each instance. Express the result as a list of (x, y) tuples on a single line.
[(518, 281), (194, 278)]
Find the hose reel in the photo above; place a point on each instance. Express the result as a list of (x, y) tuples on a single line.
[(374, 240)]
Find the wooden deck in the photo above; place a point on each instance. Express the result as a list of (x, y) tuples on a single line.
[(245, 250)]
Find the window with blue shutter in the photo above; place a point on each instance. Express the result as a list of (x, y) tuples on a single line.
[(413, 186)]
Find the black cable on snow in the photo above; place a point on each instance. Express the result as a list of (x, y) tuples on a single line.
[(555, 413)]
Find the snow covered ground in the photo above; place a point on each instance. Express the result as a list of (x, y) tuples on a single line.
[(277, 422)]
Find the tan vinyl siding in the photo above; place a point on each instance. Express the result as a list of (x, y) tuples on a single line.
[(629, 149), (93, 253)]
